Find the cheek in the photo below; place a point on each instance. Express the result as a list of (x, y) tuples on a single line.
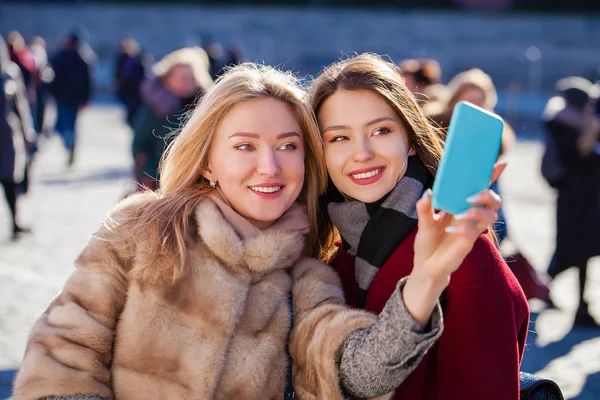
[(230, 167), (394, 151), (295, 167), (335, 159)]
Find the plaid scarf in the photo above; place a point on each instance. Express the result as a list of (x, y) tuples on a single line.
[(372, 231)]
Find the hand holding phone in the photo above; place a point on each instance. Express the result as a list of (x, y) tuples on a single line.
[(471, 150)]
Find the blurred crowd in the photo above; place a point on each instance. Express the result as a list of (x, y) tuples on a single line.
[(156, 96)]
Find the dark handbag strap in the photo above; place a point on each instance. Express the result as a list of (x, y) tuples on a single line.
[(535, 388), (289, 385)]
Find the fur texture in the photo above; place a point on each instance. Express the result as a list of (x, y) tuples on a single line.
[(219, 332)]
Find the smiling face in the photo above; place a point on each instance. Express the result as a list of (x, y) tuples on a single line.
[(366, 144), (257, 158)]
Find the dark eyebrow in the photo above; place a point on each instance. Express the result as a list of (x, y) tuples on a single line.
[(378, 120), (335, 128), (257, 136), (343, 127)]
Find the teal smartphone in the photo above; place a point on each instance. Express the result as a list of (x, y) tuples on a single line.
[(471, 150)]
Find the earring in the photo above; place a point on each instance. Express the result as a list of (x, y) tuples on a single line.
[(213, 183)]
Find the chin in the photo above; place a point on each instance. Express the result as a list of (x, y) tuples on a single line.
[(367, 195), (269, 214)]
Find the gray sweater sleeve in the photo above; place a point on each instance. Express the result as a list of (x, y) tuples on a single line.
[(375, 361)]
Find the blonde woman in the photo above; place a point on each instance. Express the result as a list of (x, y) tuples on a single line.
[(187, 293), (476, 87), (177, 81)]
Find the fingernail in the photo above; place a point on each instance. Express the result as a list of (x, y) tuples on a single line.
[(450, 229), (462, 215), (426, 194), (474, 198)]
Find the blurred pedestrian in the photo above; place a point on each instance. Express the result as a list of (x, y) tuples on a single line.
[(22, 56), (234, 55), (216, 57), (44, 76), (71, 88), (422, 77), (16, 133), (573, 155), (178, 79), (130, 71), (477, 87)]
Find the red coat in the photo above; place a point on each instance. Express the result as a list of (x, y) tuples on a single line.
[(486, 317)]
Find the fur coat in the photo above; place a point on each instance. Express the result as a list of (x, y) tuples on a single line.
[(220, 332)]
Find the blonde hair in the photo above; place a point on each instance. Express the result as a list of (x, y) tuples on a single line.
[(473, 78), (371, 72), (476, 78), (193, 57), (182, 185)]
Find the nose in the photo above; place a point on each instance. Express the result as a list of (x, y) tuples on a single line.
[(362, 150), (268, 164)]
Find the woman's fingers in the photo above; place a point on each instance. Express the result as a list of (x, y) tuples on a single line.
[(487, 199), (455, 247), (499, 168), (425, 212), (478, 218)]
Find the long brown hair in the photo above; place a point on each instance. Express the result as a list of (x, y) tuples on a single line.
[(164, 222), (371, 72)]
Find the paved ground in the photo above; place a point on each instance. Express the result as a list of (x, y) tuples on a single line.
[(65, 206)]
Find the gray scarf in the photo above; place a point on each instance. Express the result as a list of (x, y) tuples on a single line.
[(372, 231)]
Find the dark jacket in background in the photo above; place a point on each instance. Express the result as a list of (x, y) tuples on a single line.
[(157, 118), (130, 72), (578, 203), (72, 85)]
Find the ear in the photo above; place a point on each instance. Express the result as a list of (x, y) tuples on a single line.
[(412, 151), (208, 174)]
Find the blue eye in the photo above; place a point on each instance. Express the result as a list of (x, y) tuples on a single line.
[(381, 131), (288, 147), (245, 147)]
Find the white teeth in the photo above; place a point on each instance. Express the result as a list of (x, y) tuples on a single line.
[(266, 189), (366, 175)]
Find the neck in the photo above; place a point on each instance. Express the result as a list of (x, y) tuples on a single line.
[(294, 219), (262, 225)]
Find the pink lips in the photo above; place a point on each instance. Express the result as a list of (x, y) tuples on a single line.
[(366, 181), (268, 195)]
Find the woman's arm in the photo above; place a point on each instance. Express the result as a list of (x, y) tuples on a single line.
[(376, 360), (69, 351), (321, 324)]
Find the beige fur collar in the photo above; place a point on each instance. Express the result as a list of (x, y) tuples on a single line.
[(268, 251)]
